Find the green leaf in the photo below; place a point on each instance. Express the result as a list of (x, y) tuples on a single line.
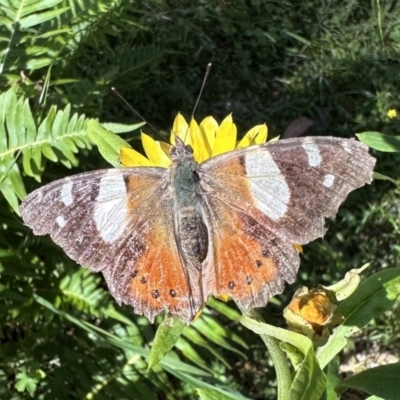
[(191, 354), (345, 287), (297, 37), (215, 332), (28, 380), (107, 142), (24, 383), (309, 380), (211, 394), (224, 309), (195, 337), (167, 335), (332, 379), (293, 353), (380, 141), (122, 128), (183, 371), (6, 185), (373, 297), (39, 18), (56, 138), (81, 289), (381, 177), (382, 381), (35, 6), (20, 22)]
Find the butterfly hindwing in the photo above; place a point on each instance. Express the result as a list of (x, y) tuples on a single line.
[(120, 222), (246, 260)]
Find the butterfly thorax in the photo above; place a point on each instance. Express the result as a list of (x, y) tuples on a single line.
[(189, 228)]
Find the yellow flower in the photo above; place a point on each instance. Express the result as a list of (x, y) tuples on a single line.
[(392, 113), (313, 314), (207, 140)]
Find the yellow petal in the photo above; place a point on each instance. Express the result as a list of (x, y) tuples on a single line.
[(165, 147), (315, 308), (198, 314), (180, 128), (256, 135), (226, 137), (298, 247), (132, 158), (209, 128), (275, 139), (198, 142), (154, 151), (223, 297)]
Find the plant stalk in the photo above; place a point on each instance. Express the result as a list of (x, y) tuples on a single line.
[(283, 375)]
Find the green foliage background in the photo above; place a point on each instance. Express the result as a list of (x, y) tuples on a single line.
[(336, 62)]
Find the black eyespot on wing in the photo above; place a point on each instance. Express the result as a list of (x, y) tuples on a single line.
[(266, 252)]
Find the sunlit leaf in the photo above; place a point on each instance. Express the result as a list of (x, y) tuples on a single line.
[(382, 381), (108, 143), (168, 333), (374, 296), (122, 128), (211, 394), (380, 141), (56, 138), (309, 380)]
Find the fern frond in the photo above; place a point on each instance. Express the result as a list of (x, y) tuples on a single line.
[(34, 34), (19, 49), (138, 58), (57, 138), (81, 289)]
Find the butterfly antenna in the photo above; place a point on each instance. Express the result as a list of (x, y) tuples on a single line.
[(208, 69), (134, 111)]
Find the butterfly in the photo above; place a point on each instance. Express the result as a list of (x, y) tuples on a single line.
[(166, 239)]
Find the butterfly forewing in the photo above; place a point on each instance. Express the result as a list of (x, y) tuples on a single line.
[(292, 185), (120, 222), (319, 173)]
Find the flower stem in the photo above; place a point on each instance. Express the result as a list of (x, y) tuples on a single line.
[(283, 376)]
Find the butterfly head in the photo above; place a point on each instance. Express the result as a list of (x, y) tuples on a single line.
[(181, 151)]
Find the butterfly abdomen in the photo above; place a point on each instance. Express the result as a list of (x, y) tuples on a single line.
[(192, 235)]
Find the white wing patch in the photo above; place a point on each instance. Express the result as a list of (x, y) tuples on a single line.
[(61, 222), (110, 209), (66, 194), (346, 144), (268, 186), (312, 151), (328, 180)]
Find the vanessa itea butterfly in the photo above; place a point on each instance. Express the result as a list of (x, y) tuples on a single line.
[(168, 238)]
